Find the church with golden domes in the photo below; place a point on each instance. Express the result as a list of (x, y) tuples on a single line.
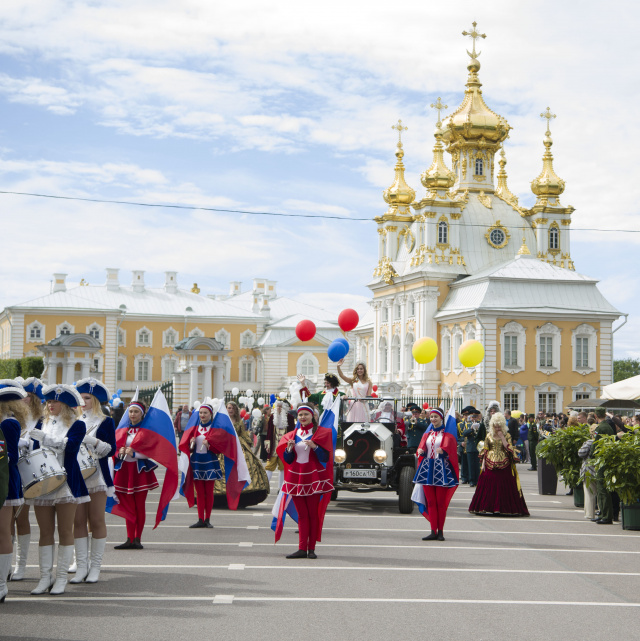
[(466, 261)]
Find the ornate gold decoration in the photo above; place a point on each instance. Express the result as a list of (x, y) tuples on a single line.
[(438, 176), (485, 200), (547, 184), (566, 221), (384, 330), (506, 235), (474, 35), (395, 329), (385, 270), (456, 216), (399, 195), (543, 221), (382, 231), (411, 327), (438, 106), (524, 250), (195, 289), (409, 238), (502, 191), (83, 283)]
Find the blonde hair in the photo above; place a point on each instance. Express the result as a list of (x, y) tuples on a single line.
[(497, 420), (365, 376), (573, 420), (16, 408), (67, 414), (34, 406), (96, 408)]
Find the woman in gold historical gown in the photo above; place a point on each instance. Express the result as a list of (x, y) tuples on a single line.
[(498, 490), (258, 490)]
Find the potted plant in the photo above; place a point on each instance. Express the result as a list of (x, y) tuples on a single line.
[(619, 458), (561, 450)]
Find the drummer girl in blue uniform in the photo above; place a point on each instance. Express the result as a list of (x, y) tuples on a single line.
[(12, 413)]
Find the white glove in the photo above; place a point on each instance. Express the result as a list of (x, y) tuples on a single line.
[(38, 435), (102, 449), (53, 442), (90, 440), (23, 442)]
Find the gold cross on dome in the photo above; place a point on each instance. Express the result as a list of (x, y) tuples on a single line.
[(474, 35), (400, 129), (439, 107), (548, 115)]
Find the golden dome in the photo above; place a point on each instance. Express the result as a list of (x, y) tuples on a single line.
[(548, 183), (399, 194), (473, 121), (438, 176), (502, 190)]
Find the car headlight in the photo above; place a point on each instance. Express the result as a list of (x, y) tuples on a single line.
[(379, 456), (340, 456)]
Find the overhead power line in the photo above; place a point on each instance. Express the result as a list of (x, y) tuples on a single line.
[(223, 210)]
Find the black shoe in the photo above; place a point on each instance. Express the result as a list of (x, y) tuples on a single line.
[(440, 536), (300, 554), (198, 523), (531, 469), (604, 522), (127, 545), (432, 537), (136, 545), (312, 555), (472, 484), (570, 492), (595, 520), (206, 523)]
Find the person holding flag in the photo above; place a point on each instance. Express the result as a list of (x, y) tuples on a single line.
[(307, 454), (437, 477), (142, 438)]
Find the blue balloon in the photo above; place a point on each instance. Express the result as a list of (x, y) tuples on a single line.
[(119, 392), (337, 351), (344, 341), (272, 399)]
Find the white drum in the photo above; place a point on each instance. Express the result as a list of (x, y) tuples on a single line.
[(40, 472), (87, 463)]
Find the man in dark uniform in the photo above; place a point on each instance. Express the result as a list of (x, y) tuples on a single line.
[(470, 434), (462, 456), (512, 427), (604, 497), (533, 442), (4, 470), (415, 427)]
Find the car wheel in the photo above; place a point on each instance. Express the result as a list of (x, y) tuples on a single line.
[(405, 504)]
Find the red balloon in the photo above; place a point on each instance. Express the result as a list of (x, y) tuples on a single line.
[(375, 388), (425, 406), (374, 395), (305, 330), (243, 413), (348, 319)]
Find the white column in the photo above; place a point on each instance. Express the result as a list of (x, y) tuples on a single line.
[(206, 383), (218, 383), (68, 371), (402, 301), (193, 384), (86, 368)]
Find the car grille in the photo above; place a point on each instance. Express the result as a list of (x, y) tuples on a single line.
[(360, 448)]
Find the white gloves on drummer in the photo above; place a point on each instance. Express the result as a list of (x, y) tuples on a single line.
[(100, 448), (55, 443)]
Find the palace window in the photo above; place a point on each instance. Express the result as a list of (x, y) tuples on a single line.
[(143, 371), (546, 351), (580, 396), (395, 354), (94, 332), (554, 238), (65, 330), (446, 353), (120, 369), (307, 367), (479, 167), (246, 371), (511, 400), (384, 356), (385, 314), (457, 343), (122, 337), (511, 351), (169, 368), (582, 351), (144, 338), (412, 308), (170, 337), (35, 333), (247, 339), (547, 402), (443, 233)]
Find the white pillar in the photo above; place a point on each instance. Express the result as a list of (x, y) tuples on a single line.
[(69, 371), (402, 301), (193, 384), (218, 383), (86, 368), (206, 383)]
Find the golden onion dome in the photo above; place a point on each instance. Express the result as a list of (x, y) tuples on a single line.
[(548, 183), (473, 121), (399, 194), (438, 176)]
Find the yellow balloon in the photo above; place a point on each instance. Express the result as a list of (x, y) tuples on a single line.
[(424, 350), (471, 353)]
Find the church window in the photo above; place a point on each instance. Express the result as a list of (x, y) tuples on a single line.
[(546, 351), (443, 233), (547, 402), (385, 314), (395, 354), (384, 356), (497, 237), (582, 351), (479, 167), (554, 238), (412, 308), (511, 351)]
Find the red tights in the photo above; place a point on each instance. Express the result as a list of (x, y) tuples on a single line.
[(204, 492), (134, 503), (308, 521), (438, 499)]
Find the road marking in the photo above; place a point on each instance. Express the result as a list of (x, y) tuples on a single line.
[(245, 544), (236, 566), (223, 599), (252, 527)]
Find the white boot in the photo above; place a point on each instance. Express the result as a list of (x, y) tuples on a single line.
[(269, 475), (5, 568), (73, 568), (22, 549), (65, 556), (281, 481), (45, 559), (82, 560), (97, 550)]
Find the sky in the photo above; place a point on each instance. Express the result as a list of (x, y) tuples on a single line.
[(287, 107)]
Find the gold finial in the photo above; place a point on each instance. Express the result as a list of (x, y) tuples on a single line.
[(400, 129), (83, 283), (474, 35), (195, 289), (502, 190), (437, 105), (548, 115), (524, 250)]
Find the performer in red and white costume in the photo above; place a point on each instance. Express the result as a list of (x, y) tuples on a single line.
[(133, 478), (307, 454), (437, 472)]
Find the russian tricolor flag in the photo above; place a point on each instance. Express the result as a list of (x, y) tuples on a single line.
[(283, 506)]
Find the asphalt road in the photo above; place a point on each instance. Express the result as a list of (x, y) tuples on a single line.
[(551, 576)]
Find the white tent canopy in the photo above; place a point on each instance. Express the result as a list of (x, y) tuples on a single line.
[(626, 390)]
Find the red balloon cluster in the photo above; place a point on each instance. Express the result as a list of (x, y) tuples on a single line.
[(425, 406), (348, 319), (305, 330), (374, 395)]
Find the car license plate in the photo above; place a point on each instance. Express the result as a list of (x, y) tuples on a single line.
[(359, 474)]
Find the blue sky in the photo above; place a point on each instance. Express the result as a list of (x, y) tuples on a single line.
[(288, 107)]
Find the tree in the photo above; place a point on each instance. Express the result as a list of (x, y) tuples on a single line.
[(625, 368)]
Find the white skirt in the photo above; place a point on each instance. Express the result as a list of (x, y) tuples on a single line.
[(96, 483), (61, 495)]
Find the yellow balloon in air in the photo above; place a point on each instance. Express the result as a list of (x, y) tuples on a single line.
[(424, 350), (471, 353)]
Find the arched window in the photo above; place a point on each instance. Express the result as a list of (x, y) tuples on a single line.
[(443, 233), (384, 360), (65, 330), (408, 356), (144, 337), (307, 367), (95, 332), (554, 238), (395, 354), (479, 167)]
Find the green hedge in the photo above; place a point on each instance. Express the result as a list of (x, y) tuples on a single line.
[(25, 367)]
